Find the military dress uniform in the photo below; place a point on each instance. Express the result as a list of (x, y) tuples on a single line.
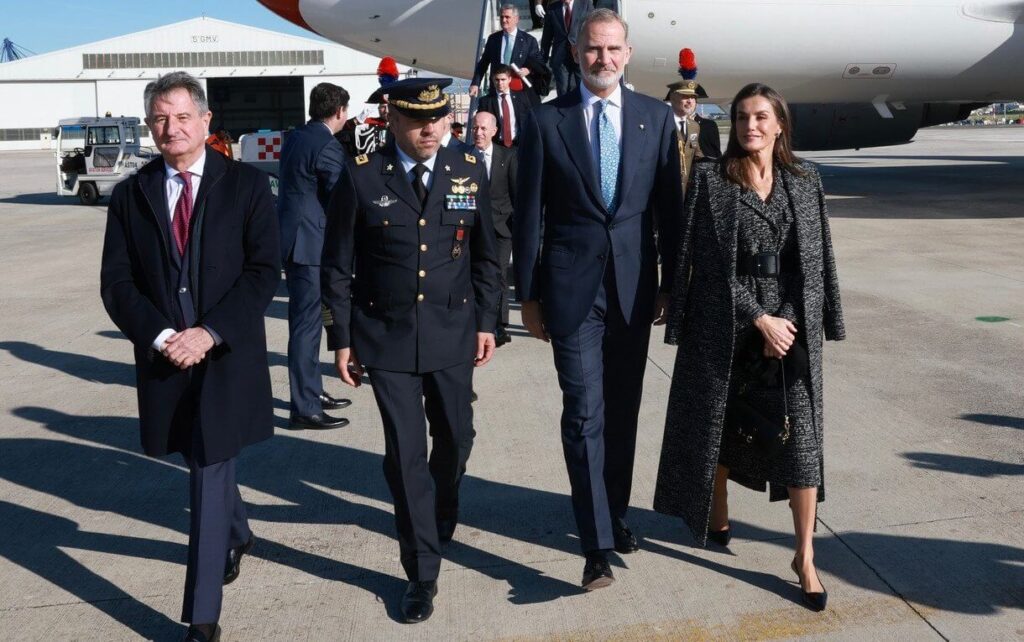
[(698, 137), (408, 286)]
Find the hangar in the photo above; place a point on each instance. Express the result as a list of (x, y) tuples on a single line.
[(255, 78)]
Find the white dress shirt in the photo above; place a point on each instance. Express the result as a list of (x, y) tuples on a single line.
[(408, 163), (488, 153), (173, 186), (614, 110), (511, 112)]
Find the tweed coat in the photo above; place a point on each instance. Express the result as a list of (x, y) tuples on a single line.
[(701, 321)]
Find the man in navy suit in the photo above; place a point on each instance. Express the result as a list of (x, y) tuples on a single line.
[(598, 175), (508, 107), (510, 46), (561, 28), (311, 162)]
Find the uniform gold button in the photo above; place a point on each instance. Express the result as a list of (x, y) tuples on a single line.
[(386, 223), (423, 273), (419, 297), (423, 222), (423, 248), (462, 221), (464, 300)]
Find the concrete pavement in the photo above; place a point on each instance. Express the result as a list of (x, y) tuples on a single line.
[(921, 536)]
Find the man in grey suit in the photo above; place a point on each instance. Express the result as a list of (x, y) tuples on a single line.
[(311, 162), (501, 163), (598, 174)]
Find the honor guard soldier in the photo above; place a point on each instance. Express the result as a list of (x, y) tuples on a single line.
[(698, 137), (410, 285)]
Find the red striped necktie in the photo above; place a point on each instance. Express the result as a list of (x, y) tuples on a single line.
[(183, 213)]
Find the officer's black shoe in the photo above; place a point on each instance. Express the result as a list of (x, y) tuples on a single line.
[(625, 540), (234, 563), (202, 633), (473, 398), (327, 402), (501, 337), (418, 601), (319, 421), (446, 528), (597, 572)]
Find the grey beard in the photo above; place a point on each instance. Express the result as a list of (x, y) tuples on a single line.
[(601, 82)]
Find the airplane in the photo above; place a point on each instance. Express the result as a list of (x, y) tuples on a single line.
[(857, 73)]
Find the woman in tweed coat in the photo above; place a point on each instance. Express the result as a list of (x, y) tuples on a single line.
[(759, 199)]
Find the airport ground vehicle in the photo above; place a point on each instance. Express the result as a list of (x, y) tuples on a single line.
[(95, 154)]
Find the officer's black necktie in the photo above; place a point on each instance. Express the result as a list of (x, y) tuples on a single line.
[(417, 182)]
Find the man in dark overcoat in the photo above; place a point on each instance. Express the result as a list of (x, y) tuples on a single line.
[(190, 263), (311, 162), (410, 281), (598, 174)]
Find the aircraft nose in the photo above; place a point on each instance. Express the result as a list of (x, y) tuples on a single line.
[(287, 9)]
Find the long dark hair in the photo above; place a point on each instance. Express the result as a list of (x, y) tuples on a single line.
[(736, 160)]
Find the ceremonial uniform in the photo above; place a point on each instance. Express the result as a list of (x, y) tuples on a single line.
[(408, 287), (698, 137)]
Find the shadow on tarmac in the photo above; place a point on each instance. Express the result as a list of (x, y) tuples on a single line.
[(961, 465), (1003, 421), (45, 198), (309, 492)]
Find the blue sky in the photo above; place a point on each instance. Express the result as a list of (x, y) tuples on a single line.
[(48, 25)]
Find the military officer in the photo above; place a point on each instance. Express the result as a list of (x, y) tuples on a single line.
[(410, 285), (698, 137)]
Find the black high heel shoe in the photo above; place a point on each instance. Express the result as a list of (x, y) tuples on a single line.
[(722, 538), (813, 601)]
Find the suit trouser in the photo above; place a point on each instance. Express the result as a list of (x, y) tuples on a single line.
[(600, 370), (305, 326), (217, 522), (566, 75), (424, 489), (504, 258)]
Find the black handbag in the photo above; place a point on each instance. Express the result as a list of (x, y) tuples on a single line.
[(766, 434)]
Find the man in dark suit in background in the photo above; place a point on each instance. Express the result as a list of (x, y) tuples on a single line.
[(311, 162), (598, 174), (510, 46), (190, 263), (508, 107), (410, 281), (501, 164), (561, 28)]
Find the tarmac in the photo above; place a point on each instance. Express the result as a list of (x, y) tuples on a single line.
[(921, 536)]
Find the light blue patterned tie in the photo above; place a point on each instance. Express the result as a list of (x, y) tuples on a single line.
[(507, 56), (608, 153)]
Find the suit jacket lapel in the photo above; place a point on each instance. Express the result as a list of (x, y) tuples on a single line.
[(213, 171), (442, 178), (572, 129), (635, 130), (398, 181), (151, 182)]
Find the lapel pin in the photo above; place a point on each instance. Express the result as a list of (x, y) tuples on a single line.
[(447, 168), (641, 125)]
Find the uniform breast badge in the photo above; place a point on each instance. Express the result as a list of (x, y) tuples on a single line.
[(385, 201), (460, 235), (459, 185)]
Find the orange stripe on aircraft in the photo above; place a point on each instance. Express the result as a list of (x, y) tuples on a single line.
[(287, 9)]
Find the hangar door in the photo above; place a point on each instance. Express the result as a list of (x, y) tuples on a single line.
[(245, 105)]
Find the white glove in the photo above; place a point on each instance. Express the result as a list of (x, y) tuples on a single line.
[(539, 10)]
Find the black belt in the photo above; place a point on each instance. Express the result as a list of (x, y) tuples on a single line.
[(762, 264)]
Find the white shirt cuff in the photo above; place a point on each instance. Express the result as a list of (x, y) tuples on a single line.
[(158, 343)]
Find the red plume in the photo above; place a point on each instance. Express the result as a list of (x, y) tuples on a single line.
[(687, 64), (387, 67)]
